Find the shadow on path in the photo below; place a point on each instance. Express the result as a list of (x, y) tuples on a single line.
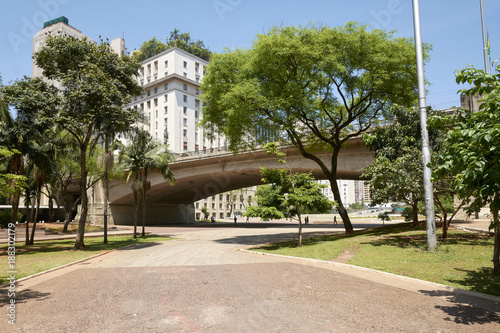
[(23, 296), (468, 310)]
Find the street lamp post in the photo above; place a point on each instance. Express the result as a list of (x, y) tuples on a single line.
[(426, 155)]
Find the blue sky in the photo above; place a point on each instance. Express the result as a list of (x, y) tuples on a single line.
[(453, 27)]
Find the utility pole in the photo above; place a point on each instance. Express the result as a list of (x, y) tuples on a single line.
[(426, 155), (485, 48)]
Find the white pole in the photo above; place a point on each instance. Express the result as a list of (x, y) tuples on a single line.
[(426, 155), (485, 50)]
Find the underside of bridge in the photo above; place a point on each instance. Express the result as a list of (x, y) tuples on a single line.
[(200, 177)]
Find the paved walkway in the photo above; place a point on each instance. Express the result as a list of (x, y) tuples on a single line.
[(201, 282)]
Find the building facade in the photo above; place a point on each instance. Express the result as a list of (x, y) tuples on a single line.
[(171, 102)]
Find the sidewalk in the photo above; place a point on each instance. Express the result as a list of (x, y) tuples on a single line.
[(480, 225), (41, 235)]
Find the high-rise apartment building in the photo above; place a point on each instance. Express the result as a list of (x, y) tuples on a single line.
[(171, 102)]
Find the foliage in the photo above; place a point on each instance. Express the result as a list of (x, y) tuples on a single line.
[(150, 48), (304, 85), (397, 174), (96, 83), (9, 183), (205, 212), (472, 152), (407, 213), (5, 217), (24, 134), (264, 212), (183, 41), (384, 217), (357, 205), (141, 155)]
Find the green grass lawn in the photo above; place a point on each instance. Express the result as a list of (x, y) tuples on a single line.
[(45, 255), (463, 260)]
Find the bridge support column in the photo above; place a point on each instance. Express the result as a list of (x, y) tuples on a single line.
[(155, 214)]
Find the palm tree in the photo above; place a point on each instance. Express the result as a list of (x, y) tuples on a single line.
[(141, 155)]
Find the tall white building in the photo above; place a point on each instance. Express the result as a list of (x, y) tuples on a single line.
[(171, 101)]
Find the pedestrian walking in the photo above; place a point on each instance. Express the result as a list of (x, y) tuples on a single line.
[(335, 219), (306, 219), (235, 219)]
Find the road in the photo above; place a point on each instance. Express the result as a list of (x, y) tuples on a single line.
[(201, 282)]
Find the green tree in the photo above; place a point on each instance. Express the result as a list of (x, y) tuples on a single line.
[(384, 217), (397, 173), (472, 151), (96, 83), (140, 156), (295, 192), (177, 39), (205, 212), (34, 102), (150, 48), (317, 87)]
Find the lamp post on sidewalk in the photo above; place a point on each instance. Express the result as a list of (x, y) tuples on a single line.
[(426, 155)]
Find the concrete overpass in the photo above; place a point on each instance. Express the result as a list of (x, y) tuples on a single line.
[(201, 176)]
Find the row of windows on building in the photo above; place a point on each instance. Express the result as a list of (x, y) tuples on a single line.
[(155, 91), (155, 73)]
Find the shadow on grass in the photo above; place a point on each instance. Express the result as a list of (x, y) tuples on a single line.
[(23, 296), (419, 240), (468, 310), (481, 280), (290, 238)]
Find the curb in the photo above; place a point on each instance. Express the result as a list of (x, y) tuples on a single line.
[(401, 277), (481, 231), (68, 264), (59, 267)]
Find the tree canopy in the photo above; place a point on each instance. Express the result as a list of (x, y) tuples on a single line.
[(96, 85), (315, 87), (183, 41), (471, 148)]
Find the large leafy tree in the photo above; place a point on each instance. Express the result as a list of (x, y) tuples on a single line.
[(317, 87), (22, 133), (397, 173), (140, 156), (472, 149), (97, 83)]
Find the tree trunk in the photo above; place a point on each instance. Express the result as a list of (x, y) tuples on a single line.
[(136, 207), (415, 213), (51, 211), (341, 209), (14, 201), (143, 233), (445, 225), (300, 229), (496, 252), (106, 188), (496, 222), (79, 244), (69, 208), (28, 220), (144, 190), (35, 220)]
